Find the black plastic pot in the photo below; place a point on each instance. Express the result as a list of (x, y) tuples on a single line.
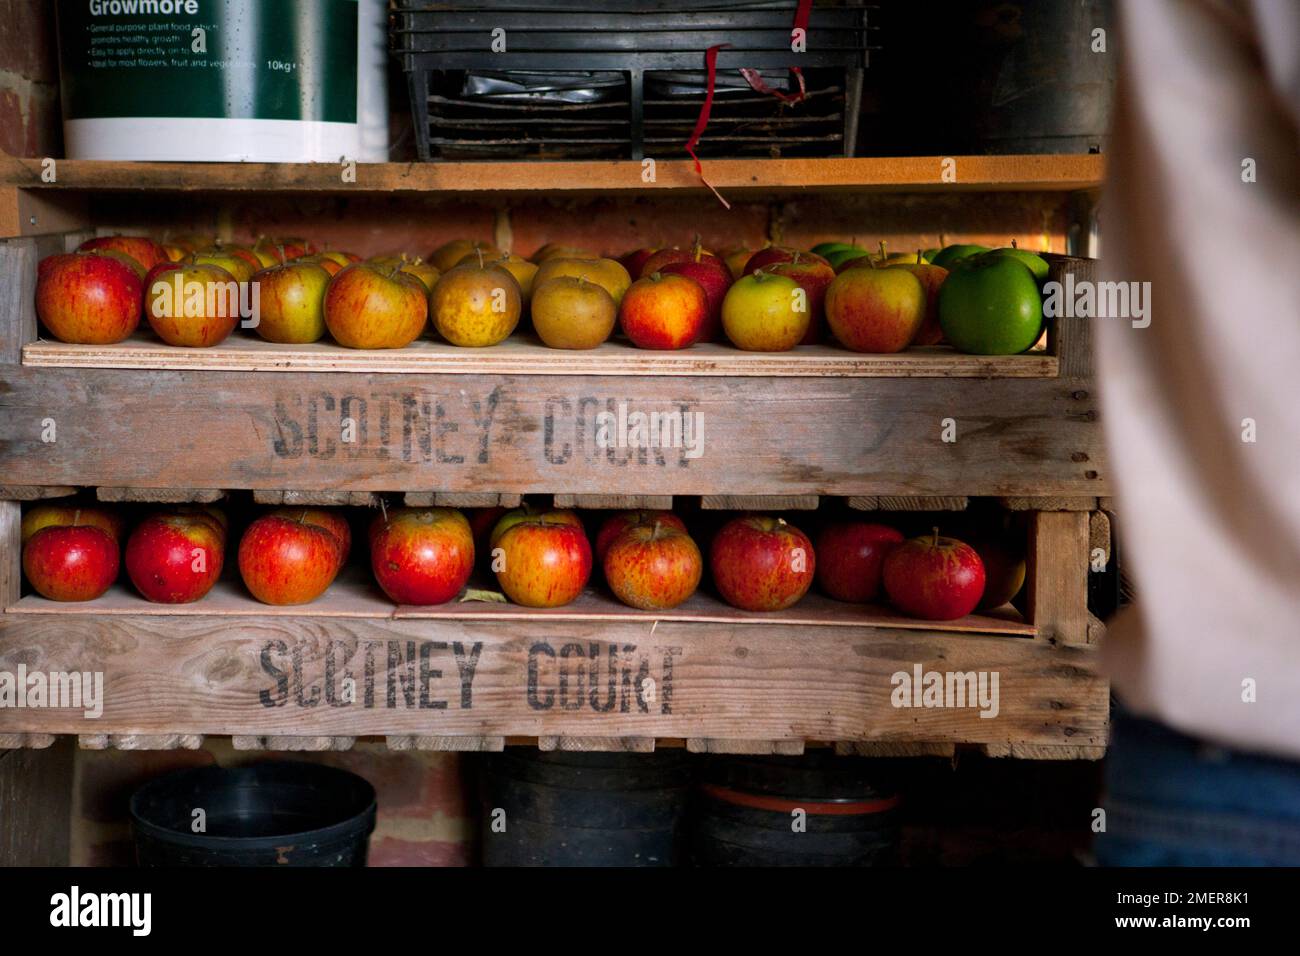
[(584, 809), (266, 814)]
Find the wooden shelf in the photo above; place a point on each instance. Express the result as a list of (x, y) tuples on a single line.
[(355, 595), (1055, 173), (526, 355)]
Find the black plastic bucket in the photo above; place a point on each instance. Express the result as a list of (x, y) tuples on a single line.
[(584, 809), (265, 814), (818, 810)]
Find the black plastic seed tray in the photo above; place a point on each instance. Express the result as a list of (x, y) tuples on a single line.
[(502, 79)]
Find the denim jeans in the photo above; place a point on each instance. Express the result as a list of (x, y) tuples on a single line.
[(1173, 800)]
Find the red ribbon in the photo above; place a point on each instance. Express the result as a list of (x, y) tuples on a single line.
[(755, 79), (711, 64)]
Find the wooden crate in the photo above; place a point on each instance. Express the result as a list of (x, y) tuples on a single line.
[(143, 422)]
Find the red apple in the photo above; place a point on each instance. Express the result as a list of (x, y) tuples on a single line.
[(195, 306), (934, 578), (240, 252), (421, 555), (664, 312), (616, 524), (764, 313), (875, 310), (813, 274), (64, 515), (175, 558), (774, 254), (635, 260), (931, 277), (88, 299), (663, 257), (287, 562), (71, 563), (850, 557), (760, 563), (515, 515), (332, 520), (653, 566), (543, 562), (369, 308), (714, 278), (140, 248)]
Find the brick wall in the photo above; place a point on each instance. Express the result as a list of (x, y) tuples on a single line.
[(29, 80), (424, 819)]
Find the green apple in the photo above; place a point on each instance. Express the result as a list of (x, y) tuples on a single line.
[(949, 254), (839, 259), (1035, 264), (824, 249), (929, 254), (991, 307)]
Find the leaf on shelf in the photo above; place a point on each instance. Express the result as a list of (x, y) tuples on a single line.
[(476, 594)]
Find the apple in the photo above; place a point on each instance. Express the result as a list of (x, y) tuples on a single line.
[(555, 250), (476, 306), (949, 256), (544, 562), (653, 566), (664, 311), (332, 520), (616, 524), (875, 310), (421, 555), (239, 252), (330, 266), (990, 306), (65, 515), (283, 561), (606, 273), (341, 259), (448, 255), (426, 272), (932, 278), (715, 279), (526, 511), (634, 260), (844, 258), (236, 265), (774, 254), (736, 260), (142, 249), (813, 274), (175, 558), (849, 559), (481, 523), (572, 313), (174, 252), (194, 306), (934, 578), (291, 301), (525, 272), (663, 257), (1004, 571), (1035, 264), (71, 562), (369, 308), (88, 299), (761, 563), (269, 253), (765, 313)]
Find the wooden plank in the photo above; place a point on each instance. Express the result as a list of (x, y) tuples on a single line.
[(11, 552), (462, 744), (18, 258), (1099, 536), (863, 502), (1062, 173), (615, 502), (923, 502), (1024, 751), (34, 492), (1057, 576), (36, 806), (276, 676), (525, 355), (538, 434), (140, 741), (361, 499), (460, 499), (354, 595), (759, 502), (161, 495), (26, 741), (737, 745), (29, 212), (895, 748), (290, 743), (1071, 337), (1041, 503), (638, 745)]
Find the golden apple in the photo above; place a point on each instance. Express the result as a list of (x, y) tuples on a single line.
[(475, 305), (572, 313), (606, 273)]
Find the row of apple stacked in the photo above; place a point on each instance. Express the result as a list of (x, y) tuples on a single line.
[(768, 301), (424, 556)]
